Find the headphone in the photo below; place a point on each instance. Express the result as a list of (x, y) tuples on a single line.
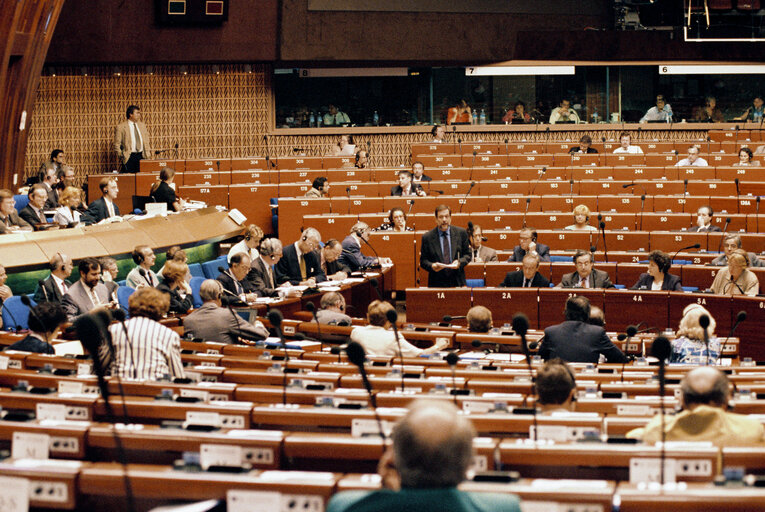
[(359, 228), (248, 237), (137, 256)]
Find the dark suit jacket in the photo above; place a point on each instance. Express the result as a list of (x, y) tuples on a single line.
[(598, 279), (164, 194), (712, 229), (15, 221), (578, 342), (29, 215), (178, 304), (333, 267), (397, 190), (515, 280), (257, 279), (32, 344), (51, 291), (671, 283), (288, 268), (424, 177), (575, 149), (228, 283), (52, 201), (97, 210), (542, 249), (431, 253), (352, 256), (213, 323)]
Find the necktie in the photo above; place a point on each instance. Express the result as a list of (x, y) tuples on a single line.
[(302, 267), (586, 282), (525, 282), (149, 278), (64, 287), (446, 248), (94, 297), (269, 271), (137, 137)]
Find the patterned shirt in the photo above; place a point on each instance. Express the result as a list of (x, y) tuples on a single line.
[(150, 352), (690, 351)]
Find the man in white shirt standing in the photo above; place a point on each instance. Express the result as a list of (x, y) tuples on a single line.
[(626, 139), (693, 159), (131, 141)]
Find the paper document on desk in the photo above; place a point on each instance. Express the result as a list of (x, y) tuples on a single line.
[(68, 347)]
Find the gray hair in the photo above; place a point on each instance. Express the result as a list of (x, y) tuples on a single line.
[(210, 290), (311, 233), (432, 445), (270, 246)]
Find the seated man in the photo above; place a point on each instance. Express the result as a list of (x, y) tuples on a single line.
[(88, 293), (528, 276), (704, 221), (211, 322), (148, 350), (56, 286), (249, 244), (479, 252), (556, 387), (704, 397), (626, 145), (261, 277), (109, 273), (334, 269), (597, 317), (351, 249), (299, 264), (142, 275), (238, 291), (9, 219), (479, 319), (45, 322), (332, 310), (585, 276), (319, 187), (431, 452), (418, 173), (528, 243), (378, 340), (731, 242), (662, 111), (362, 159), (693, 159), (406, 187), (576, 340), (34, 212), (564, 113), (104, 208), (585, 146), (438, 132)]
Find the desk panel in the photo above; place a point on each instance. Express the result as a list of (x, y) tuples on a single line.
[(504, 303), (431, 304), (630, 307), (552, 303)]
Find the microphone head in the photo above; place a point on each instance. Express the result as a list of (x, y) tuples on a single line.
[(631, 330), (642, 198), (221, 270), (143, 272), (685, 181), (447, 318), (25, 300), (356, 353), (741, 316), (696, 246), (476, 343), (528, 200), (520, 324), (41, 282), (621, 337), (544, 169), (392, 316), (472, 184), (533, 345), (275, 317), (452, 359), (119, 315), (661, 348), (704, 321), (758, 197), (475, 152), (374, 282), (593, 248), (336, 350), (602, 225), (736, 180), (600, 216), (310, 306), (506, 140), (348, 189), (727, 220), (459, 140), (571, 181)]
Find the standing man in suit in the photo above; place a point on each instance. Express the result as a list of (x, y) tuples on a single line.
[(351, 246), (445, 252), (418, 173), (261, 276), (406, 187), (10, 221), (576, 340), (300, 265), (33, 212), (56, 286), (585, 276), (131, 140), (211, 322), (88, 293), (528, 243), (104, 208), (528, 276)]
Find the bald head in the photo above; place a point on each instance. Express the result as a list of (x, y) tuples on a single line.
[(705, 386), (433, 445)]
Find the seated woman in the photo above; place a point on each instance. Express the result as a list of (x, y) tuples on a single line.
[(44, 325), (459, 114), (378, 340), (176, 287), (745, 156), (657, 277), (517, 115), (396, 221), (689, 346), (162, 192), (581, 218), (68, 214), (710, 112), (736, 279)]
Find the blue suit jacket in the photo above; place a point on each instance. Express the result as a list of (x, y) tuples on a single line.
[(97, 210), (352, 256)]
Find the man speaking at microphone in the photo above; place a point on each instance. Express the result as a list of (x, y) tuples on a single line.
[(445, 252), (352, 256)]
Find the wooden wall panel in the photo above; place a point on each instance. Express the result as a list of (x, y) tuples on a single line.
[(207, 114)]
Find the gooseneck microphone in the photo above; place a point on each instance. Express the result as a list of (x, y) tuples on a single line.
[(41, 284), (740, 317), (377, 256), (725, 230), (449, 318), (694, 246), (311, 307), (464, 199), (704, 324), (376, 285), (605, 246), (392, 317), (521, 327), (452, 359), (472, 164), (28, 303), (357, 356), (348, 194), (661, 350), (275, 319)]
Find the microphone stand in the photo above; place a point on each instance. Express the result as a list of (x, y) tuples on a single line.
[(739, 318), (520, 327), (605, 247), (275, 319), (451, 359), (704, 324), (472, 164), (725, 230), (392, 316), (310, 306), (348, 193), (356, 355), (464, 199), (661, 349)]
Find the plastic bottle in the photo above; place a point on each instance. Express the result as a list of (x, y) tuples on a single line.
[(312, 120), (475, 117), (482, 118), (376, 119), (595, 116)]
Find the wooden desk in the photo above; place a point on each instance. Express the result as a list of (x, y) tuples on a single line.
[(698, 496), (60, 477), (151, 411)]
